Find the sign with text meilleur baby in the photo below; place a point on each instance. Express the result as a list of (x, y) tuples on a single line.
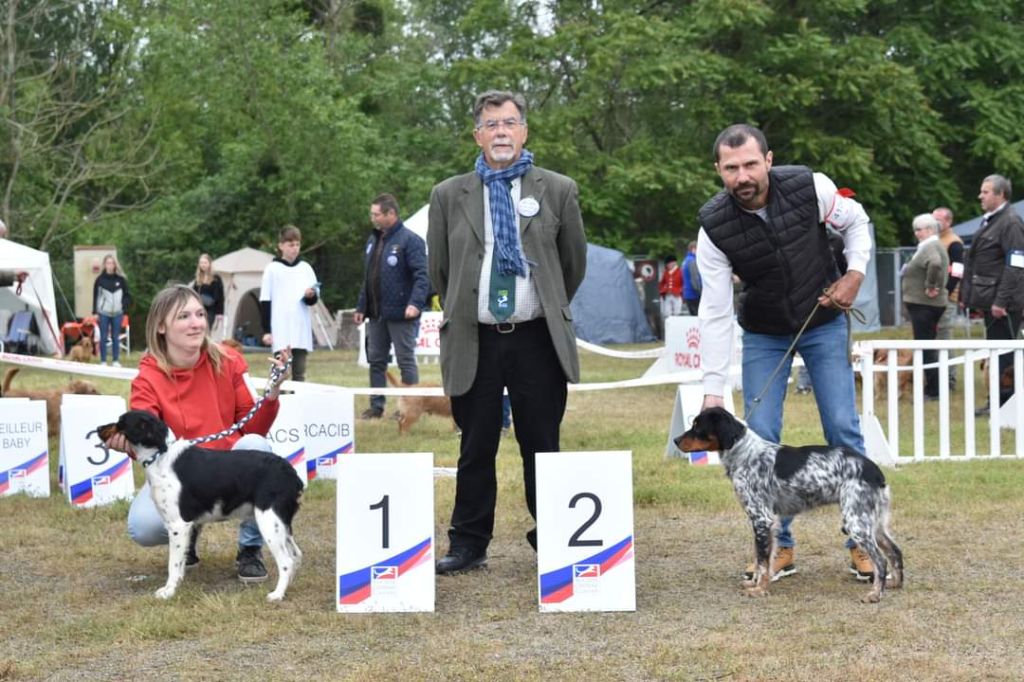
[(585, 531), (313, 430), (385, 526), (24, 448), (92, 476)]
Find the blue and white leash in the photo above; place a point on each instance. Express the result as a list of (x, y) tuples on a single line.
[(277, 373)]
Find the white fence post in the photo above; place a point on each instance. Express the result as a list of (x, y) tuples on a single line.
[(1010, 416)]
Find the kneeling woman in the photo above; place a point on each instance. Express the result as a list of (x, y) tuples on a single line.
[(197, 388)]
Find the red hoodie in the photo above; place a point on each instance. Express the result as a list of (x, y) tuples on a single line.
[(197, 402)]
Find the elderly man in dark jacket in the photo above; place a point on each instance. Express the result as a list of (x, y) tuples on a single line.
[(994, 270), (393, 295)]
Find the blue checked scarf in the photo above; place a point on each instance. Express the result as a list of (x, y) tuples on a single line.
[(503, 213)]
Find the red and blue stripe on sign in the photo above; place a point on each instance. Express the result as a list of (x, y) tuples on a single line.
[(25, 469), (82, 492), (354, 587), (556, 586), (329, 459)]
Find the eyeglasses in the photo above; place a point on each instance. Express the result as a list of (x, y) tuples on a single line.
[(493, 125)]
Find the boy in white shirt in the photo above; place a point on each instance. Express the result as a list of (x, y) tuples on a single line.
[(288, 291)]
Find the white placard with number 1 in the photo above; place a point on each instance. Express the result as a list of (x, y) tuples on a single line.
[(585, 531), (385, 525)]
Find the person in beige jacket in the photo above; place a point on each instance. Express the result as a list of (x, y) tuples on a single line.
[(924, 291), (506, 253)]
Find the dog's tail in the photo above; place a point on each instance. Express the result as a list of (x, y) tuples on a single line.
[(392, 380), (8, 375)]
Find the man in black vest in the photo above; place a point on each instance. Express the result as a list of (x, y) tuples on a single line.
[(768, 227), (994, 272)]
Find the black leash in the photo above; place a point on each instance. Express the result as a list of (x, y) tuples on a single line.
[(849, 311), (277, 373)]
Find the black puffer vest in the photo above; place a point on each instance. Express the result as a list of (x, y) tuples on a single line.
[(784, 264)]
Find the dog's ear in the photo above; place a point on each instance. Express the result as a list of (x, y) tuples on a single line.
[(143, 428), (728, 428)]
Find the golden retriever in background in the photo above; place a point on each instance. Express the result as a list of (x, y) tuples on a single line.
[(81, 351), (412, 407), (51, 396)]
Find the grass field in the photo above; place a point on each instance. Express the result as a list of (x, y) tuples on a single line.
[(76, 594)]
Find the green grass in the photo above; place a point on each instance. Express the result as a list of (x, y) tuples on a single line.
[(77, 600)]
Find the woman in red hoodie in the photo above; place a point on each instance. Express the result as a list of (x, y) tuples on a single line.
[(197, 388)]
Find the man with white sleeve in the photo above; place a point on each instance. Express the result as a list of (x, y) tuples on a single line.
[(767, 226)]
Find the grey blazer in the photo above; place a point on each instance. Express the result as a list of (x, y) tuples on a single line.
[(553, 239)]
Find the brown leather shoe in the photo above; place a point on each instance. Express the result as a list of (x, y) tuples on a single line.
[(860, 565), (782, 564)]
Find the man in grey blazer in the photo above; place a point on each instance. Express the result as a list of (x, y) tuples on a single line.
[(506, 253)]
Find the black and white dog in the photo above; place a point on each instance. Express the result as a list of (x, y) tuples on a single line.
[(193, 485), (774, 480)]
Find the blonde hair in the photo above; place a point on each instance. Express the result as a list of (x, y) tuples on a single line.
[(165, 304), (204, 277), (117, 265)]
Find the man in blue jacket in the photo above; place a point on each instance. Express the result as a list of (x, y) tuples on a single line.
[(394, 293)]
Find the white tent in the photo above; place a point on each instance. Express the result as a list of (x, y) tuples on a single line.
[(242, 274), (417, 222), (36, 293)]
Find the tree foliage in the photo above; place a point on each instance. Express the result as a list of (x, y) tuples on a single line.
[(205, 125)]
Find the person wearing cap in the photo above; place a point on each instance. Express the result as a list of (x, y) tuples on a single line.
[(670, 287), (768, 226)]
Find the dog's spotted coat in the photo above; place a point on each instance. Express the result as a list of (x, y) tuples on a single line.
[(773, 481), (191, 486)]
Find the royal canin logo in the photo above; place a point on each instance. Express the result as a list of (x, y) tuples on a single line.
[(693, 338)]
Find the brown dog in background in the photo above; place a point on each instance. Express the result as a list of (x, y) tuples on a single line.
[(904, 378), (51, 396), (81, 351), (412, 407)]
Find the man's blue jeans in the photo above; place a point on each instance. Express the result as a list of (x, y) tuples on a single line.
[(825, 353)]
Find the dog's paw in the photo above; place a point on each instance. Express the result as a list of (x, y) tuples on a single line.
[(165, 592), (756, 591), (274, 596), (872, 597)]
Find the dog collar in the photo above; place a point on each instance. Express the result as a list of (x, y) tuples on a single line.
[(146, 462)]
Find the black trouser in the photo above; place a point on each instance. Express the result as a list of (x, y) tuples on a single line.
[(999, 328), (525, 362), (924, 319), (299, 364)]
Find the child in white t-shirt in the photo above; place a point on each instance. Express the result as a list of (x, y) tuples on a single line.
[(289, 290)]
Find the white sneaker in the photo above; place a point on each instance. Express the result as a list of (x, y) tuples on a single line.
[(115, 363), (103, 363)]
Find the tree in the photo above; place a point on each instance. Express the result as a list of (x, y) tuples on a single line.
[(69, 153)]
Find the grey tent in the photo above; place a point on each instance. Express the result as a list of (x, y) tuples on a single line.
[(607, 307)]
